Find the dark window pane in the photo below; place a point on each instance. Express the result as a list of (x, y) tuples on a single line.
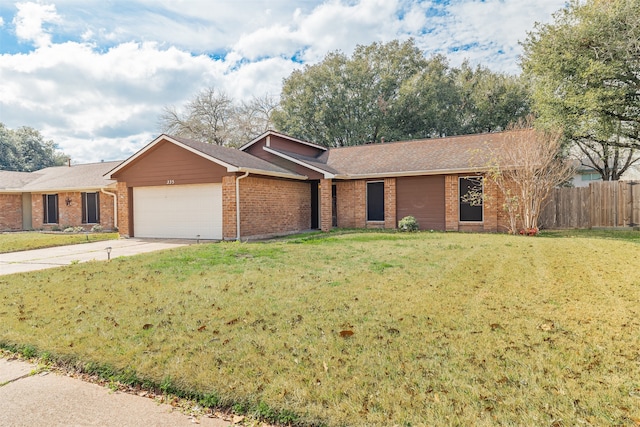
[(375, 201), (471, 199), (90, 208), (50, 208)]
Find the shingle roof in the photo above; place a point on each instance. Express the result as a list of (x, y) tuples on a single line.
[(74, 177), (233, 156), (10, 180), (316, 162), (457, 153)]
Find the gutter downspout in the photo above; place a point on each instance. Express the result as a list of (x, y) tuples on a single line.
[(115, 206), (246, 174)]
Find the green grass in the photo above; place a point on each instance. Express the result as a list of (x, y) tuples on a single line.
[(13, 242), (368, 329), (629, 235)]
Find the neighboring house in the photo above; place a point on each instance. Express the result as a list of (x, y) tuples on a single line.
[(58, 197), (276, 184), (586, 174)]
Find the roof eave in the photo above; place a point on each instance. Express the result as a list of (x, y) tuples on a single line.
[(412, 173), (66, 189), (327, 175), (274, 174)]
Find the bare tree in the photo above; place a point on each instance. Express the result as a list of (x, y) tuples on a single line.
[(255, 117), (526, 169), (208, 117), (213, 117)]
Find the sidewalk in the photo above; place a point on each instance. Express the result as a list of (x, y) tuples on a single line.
[(31, 398), (39, 259)]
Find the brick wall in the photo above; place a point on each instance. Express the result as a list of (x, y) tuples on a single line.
[(229, 231), (352, 204), (273, 206), (451, 202), (123, 209), (491, 204), (107, 210), (70, 215), (345, 204), (390, 203), (11, 212), (503, 216), (326, 205), (494, 216)]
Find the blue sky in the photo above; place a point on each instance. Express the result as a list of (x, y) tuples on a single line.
[(94, 75)]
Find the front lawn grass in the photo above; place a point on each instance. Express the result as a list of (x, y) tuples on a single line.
[(22, 241), (374, 329), (627, 234)]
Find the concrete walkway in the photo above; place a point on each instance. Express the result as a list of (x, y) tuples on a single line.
[(39, 259), (31, 398)]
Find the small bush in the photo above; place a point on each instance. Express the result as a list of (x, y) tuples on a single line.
[(96, 228), (408, 223), (70, 229)]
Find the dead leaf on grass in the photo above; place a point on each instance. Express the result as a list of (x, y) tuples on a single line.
[(495, 326), (346, 333), (202, 328), (547, 326), (147, 326)]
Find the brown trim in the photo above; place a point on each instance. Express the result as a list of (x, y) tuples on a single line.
[(132, 232)]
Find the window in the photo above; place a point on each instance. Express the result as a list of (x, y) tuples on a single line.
[(375, 201), (590, 177), (50, 208), (90, 208), (471, 199)]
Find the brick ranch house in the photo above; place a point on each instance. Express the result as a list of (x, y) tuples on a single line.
[(57, 197), (277, 184)]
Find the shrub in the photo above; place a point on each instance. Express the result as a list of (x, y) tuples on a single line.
[(408, 223), (96, 228)]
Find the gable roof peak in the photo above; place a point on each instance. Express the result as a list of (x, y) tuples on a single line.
[(271, 132)]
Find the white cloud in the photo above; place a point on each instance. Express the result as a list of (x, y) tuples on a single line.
[(100, 91), (1, 21), (30, 19)]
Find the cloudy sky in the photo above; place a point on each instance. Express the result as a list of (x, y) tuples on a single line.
[(94, 75)]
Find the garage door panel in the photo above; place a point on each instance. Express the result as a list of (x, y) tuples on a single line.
[(178, 211)]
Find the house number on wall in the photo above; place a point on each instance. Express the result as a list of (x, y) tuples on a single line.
[(170, 182)]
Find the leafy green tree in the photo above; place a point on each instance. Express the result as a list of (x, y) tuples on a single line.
[(585, 70), (9, 156), (489, 101), (25, 149), (428, 104), (392, 91), (348, 101)]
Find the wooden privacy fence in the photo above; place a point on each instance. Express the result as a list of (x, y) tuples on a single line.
[(602, 204)]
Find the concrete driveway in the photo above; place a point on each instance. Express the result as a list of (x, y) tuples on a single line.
[(39, 259), (31, 398)]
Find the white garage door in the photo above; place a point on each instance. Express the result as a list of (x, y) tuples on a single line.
[(178, 211)]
